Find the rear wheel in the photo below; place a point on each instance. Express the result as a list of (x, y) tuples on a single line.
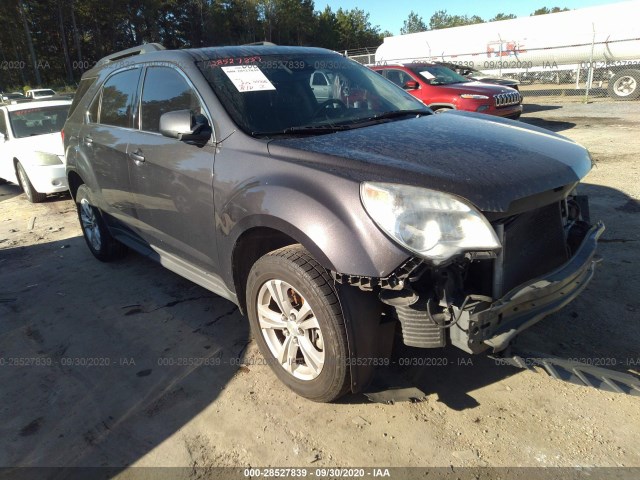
[(297, 322), (32, 195), (99, 240), (625, 85)]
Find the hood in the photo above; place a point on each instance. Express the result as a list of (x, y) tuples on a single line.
[(479, 88), (491, 162), (48, 143)]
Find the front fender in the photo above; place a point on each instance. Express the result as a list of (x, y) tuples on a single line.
[(326, 217)]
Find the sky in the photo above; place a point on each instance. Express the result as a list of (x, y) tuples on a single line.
[(391, 14)]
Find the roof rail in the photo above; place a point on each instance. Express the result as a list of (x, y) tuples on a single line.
[(130, 52)]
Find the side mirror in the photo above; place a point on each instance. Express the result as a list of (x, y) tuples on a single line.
[(411, 85), (184, 126)]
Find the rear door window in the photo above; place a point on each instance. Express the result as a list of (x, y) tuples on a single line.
[(118, 97)]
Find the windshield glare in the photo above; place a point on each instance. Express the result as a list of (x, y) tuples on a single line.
[(437, 75), (275, 93)]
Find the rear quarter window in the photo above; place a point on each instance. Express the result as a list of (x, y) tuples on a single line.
[(85, 84)]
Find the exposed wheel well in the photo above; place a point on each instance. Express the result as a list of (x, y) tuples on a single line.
[(252, 245), (74, 183)]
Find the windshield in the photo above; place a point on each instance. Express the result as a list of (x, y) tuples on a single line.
[(438, 75), (308, 93), (38, 121)]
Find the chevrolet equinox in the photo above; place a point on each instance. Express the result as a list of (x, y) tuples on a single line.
[(331, 219)]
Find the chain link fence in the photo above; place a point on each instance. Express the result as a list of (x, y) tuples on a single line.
[(590, 66)]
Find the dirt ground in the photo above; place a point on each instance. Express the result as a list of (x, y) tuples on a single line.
[(127, 364)]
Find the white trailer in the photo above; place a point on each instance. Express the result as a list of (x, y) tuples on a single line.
[(595, 41)]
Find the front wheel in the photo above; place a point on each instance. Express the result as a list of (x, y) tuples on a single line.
[(99, 240), (297, 321), (625, 85), (32, 194)]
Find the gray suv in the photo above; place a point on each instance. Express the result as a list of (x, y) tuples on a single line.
[(335, 223)]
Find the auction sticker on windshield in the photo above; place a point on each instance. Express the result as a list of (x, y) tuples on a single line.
[(248, 78), (427, 75)]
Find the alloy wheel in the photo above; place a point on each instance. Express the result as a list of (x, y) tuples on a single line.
[(290, 329), (90, 224)]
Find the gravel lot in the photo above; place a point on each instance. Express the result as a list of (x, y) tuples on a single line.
[(127, 364)]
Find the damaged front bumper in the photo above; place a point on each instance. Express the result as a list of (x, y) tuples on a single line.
[(484, 323)]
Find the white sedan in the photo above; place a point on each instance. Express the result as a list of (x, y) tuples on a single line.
[(31, 150)]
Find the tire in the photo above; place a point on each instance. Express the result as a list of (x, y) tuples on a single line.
[(99, 240), (625, 85), (32, 195), (314, 342)]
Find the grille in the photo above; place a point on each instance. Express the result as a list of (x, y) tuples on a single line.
[(506, 99), (533, 245)]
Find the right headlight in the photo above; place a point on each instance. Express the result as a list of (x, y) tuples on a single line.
[(45, 158), (432, 224), (470, 96)]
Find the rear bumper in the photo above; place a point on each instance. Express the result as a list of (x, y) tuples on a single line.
[(495, 326)]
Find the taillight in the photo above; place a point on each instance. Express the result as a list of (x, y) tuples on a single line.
[(62, 134)]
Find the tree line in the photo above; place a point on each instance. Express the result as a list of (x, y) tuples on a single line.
[(52, 42), (441, 19)]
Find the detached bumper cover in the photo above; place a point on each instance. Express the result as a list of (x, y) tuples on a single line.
[(494, 327)]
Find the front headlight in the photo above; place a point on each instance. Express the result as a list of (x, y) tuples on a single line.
[(44, 158), (432, 224), (470, 96)]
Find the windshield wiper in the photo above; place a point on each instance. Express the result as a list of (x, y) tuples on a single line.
[(398, 113), (308, 130), (323, 129), (390, 114)]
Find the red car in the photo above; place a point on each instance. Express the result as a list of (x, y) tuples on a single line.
[(443, 89)]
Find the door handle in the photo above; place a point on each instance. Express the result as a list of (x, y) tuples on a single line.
[(136, 156), (88, 140)]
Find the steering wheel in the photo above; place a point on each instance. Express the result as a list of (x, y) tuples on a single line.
[(326, 103)]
